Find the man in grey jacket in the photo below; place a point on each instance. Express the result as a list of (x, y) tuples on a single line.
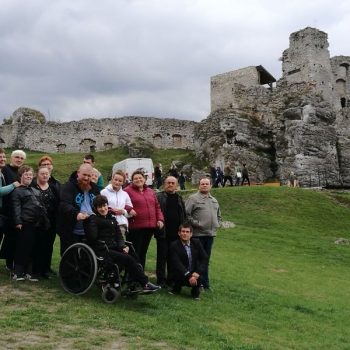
[(203, 213)]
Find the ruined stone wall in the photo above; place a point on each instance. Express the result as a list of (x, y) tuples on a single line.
[(222, 86), (97, 134)]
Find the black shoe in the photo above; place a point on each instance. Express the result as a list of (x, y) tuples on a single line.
[(174, 291), (45, 276), (150, 288)]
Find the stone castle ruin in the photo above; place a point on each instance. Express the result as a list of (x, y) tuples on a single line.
[(299, 123)]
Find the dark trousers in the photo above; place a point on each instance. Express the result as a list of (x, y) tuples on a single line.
[(141, 240), (8, 246), (43, 251), (126, 261), (163, 268), (245, 178), (229, 178), (179, 282), (207, 243), (26, 240)]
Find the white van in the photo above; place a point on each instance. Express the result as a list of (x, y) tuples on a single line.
[(129, 165)]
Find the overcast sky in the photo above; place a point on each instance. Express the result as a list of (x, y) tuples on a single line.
[(73, 59)]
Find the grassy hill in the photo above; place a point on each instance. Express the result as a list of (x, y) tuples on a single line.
[(279, 282)]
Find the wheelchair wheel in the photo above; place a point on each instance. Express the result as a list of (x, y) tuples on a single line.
[(78, 269), (110, 295)]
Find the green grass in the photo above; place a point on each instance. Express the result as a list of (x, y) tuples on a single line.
[(279, 282)]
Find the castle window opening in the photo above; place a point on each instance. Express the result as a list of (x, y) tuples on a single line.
[(92, 148), (61, 148), (229, 136), (343, 102), (108, 146), (158, 140), (177, 140)]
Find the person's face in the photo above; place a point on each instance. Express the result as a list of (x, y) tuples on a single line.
[(204, 186), (46, 163), (43, 175), (170, 184), (117, 182), (185, 234), (94, 177), (84, 174), (2, 160), (103, 209), (88, 161), (26, 178), (138, 180), (17, 161)]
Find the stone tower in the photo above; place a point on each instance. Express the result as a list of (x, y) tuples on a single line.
[(307, 60)]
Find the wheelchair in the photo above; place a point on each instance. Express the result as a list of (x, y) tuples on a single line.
[(80, 269)]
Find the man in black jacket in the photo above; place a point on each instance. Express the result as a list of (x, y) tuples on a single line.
[(189, 260), (173, 209), (75, 206)]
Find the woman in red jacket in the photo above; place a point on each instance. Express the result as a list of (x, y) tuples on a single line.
[(147, 216)]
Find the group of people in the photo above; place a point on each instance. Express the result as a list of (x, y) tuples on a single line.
[(235, 175), (34, 209), (158, 176)]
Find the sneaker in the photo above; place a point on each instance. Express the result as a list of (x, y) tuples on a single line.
[(18, 277), (196, 298), (150, 288), (31, 278)]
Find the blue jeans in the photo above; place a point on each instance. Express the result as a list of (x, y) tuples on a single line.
[(207, 243)]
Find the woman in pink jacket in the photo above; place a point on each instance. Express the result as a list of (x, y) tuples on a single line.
[(148, 217)]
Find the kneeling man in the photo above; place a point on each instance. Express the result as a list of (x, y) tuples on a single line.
[(189, 260)]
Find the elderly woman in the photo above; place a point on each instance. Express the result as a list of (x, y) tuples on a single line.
[(46, 236), (148, 217), (119, 202)]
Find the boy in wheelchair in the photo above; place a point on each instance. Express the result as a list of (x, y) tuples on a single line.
[(105, 238)]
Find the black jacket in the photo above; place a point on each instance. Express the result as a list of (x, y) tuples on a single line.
[(162, 198), (179, 258), (98, 228), (27, 206), (70, 202)]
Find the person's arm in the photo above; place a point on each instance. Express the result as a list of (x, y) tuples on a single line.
[(16, 209), (190, 206), (7, 189), (91, 229), (177, 263), (67, 209)]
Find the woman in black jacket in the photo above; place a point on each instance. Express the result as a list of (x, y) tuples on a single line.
[(102, 230), (29, 215)]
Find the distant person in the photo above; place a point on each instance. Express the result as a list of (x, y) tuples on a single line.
[(182, 181), (292, 180), (219, 176), (245, 175), (238, 174), (173, 209), (158, 176), (203, 213), (173, 170), (10, 173), (212, 170), (227, 175), (90, 159), (148, 217), (95, 174), (75, 206), (189, 261)]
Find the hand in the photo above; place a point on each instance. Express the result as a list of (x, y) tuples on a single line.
[(126, 250), (16, 184), (82, 216), (19, 227), (192, 281), (118, 211), (132, 212), (195, 275), (160, 224)]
